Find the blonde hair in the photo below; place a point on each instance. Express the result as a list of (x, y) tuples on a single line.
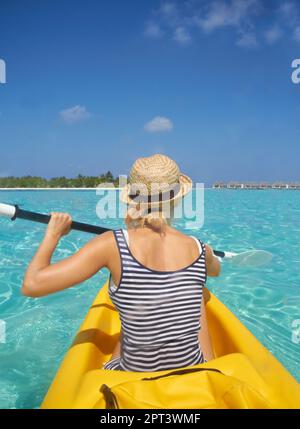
[(155, 218)]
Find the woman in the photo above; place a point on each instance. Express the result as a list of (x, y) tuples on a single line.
[(157, 273)]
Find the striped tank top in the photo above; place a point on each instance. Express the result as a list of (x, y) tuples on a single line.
[(159, 313)]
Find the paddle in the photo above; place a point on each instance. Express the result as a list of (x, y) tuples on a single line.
[(252, 258)]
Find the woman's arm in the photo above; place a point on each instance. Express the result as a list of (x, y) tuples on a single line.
[(213, 265), (43, 278)]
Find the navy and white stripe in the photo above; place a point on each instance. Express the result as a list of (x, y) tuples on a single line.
[(159, 313)]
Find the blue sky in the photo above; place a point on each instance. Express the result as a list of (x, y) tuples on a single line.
[(91, 85)]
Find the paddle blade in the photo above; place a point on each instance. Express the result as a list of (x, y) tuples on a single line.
[(7, 210), (252, 258)]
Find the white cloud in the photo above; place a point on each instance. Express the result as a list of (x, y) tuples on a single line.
[(222, 14), (168, 8), (169, 12), (288, 9), (247, 40), (179, 20), (153, 30), (182, 36), (296, 35), (289, 12), (158, 124), (165, 20), (74, 114), (273, 34)]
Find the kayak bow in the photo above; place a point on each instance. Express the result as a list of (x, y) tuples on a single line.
[(237, 354)]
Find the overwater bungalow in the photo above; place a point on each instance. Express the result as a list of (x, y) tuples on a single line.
[(234, 185), (219, 185), (259, 186), (294, 186), (265, 185), (251, 186), (280, 185)]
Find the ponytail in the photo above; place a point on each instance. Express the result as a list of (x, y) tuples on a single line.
[(155, 219)]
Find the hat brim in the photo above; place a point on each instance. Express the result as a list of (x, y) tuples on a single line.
[(185, 182)]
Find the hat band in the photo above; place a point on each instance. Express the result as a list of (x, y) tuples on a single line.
[(156, 198)]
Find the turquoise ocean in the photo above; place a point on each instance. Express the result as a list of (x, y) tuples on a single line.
[(39, 331)]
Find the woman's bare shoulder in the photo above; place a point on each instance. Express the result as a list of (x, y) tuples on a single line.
[(105, 240)]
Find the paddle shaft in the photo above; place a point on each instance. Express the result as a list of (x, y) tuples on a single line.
[(43, 218)]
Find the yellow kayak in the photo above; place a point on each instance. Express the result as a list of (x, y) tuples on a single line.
[(244, 374)]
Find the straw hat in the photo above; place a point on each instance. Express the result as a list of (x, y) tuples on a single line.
[(153, 180)]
